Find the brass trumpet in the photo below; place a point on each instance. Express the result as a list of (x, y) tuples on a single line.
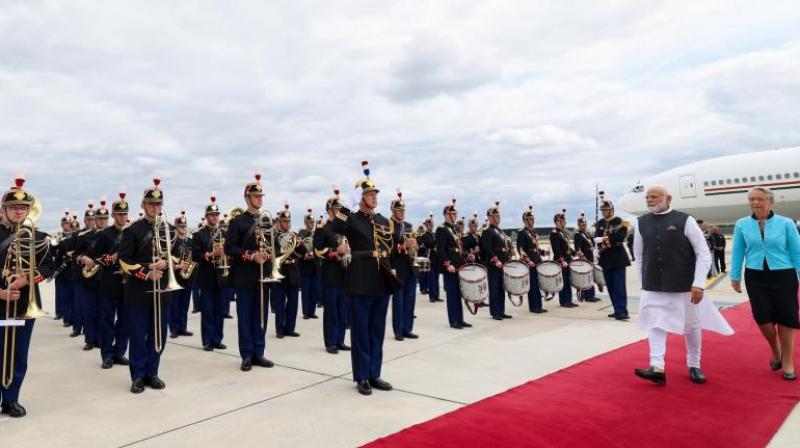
[(20, 261)]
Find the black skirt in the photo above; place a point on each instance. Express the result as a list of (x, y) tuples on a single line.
[(773, 296)]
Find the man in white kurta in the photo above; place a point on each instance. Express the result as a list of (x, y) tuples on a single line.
[(682, 312)]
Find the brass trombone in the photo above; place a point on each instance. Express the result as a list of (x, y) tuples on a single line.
[(160, 253), (20, 261)]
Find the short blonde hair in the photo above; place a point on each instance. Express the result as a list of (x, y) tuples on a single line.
[(764, 190)]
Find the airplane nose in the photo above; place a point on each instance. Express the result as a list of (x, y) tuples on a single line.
[(632, 203)]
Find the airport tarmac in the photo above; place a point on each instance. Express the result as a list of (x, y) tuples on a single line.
[(308, 399)]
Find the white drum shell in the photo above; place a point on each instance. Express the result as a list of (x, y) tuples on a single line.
[(473, 281), (581, 274), (599, 278), (551, 279), (516, 278)]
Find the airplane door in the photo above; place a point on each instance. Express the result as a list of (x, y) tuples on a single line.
[(688, 189)]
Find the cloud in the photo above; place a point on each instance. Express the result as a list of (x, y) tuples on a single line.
[(432, 65), (525, 102), (543, 137)]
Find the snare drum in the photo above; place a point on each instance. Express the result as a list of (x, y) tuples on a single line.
[(551, 279), (423, 264), (473, 281), (581, 274), (516, 280), (599, 278)]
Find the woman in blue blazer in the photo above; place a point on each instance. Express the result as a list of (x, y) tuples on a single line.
[(768, 245)]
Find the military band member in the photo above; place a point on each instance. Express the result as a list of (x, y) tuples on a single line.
[(230, 291), (584, 249), (460, 227), (369, 282), (404, 300), (318, 264), (185, 275), (451, 254), (287, 290), (428, 246), (612, 235), (562, 254), (496, 250), (333, 250), (61, 297), (113, 331), (422, 239), (143, 258), (15, 292), (62, 273), (213, 275), (248, 260), (308, 268), (72, 271), (528, 248), (471, 241), (87, 286)]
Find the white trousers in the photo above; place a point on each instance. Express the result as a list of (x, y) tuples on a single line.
[(693, 335)]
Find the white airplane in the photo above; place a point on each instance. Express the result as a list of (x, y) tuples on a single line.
[(716, 189)]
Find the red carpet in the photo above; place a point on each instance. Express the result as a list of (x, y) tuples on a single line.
[(600, 403)]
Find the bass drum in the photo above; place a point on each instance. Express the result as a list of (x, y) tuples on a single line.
[(516, 280), (473, 281), (581, 274), (551, 280)]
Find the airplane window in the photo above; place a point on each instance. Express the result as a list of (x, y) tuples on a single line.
[(761, 178), (705, 184), (777, 177), (713, 182), (752, 178), (769, 176), (796, 174), (787, 176), (728, 181)]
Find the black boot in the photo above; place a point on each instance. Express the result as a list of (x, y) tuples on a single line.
[(380, 384), (247, 364), (14, 410), (155, 383), (364, 387), (138, 386)]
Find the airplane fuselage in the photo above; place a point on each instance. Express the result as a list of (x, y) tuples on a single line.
[(716, 189)]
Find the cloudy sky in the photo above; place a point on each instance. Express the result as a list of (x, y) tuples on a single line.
[(521, 101)]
